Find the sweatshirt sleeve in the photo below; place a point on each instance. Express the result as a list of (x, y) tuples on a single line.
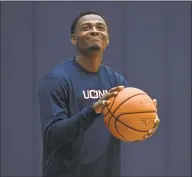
[(121, 80), (57, 127), (124, 82)]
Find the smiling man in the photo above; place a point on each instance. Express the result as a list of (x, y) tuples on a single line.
[(72, 97)]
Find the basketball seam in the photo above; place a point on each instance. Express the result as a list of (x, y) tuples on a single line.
[(117, 119), (120, 105), (111, 105), (119, 131)]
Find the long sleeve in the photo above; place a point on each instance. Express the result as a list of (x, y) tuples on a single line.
[(124, 82), (121, 80), (57, 127)]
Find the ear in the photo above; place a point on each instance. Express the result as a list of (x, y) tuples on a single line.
[(73, 39), (108, 40)]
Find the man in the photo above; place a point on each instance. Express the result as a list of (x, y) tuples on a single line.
[(72, 96)]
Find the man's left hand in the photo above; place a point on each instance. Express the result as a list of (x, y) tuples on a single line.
[(156, 124)]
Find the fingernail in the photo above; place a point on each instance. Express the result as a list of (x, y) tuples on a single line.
[(106, 103)]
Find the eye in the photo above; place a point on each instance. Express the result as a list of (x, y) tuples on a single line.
[(101, 28), (85, 28)]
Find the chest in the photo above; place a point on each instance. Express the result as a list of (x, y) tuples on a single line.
[(88, 89)]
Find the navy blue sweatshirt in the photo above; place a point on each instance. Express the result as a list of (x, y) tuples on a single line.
[(76, 141)]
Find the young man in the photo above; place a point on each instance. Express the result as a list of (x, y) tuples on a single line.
[(72, 96)]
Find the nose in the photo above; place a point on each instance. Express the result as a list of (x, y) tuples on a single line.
[(94, 32)]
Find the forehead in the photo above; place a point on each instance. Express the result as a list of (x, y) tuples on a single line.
[(92, 18)]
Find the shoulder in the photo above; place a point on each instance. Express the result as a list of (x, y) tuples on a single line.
[(58, 75), (111, 71), (115, 76), (61, 70)]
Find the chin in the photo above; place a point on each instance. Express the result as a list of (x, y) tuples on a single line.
[(94, 47)]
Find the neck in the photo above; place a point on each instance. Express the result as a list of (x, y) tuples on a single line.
[(89, 62)]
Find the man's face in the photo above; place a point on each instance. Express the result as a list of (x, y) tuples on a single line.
[(91, 34)]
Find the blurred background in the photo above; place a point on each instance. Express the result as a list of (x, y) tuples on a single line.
[(150, 45)]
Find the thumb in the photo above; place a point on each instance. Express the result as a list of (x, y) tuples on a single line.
[(155, 102)]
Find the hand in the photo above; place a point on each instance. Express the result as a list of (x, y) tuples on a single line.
[(102, 102), (155, 127), (156, 124)]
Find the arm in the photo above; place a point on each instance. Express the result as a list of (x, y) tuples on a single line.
[(122, 81), (57, 127)]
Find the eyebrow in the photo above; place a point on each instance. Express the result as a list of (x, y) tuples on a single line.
[(100, 23)]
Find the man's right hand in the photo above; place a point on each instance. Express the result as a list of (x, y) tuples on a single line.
[(102, 102)]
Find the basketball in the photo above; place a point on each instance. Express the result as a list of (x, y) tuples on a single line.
[(130, 114)]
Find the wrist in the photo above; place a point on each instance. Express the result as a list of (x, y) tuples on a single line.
[(94, 107)]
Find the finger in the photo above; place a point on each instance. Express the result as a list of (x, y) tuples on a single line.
[(105, 102), (147, 136), (109, 95), (150, 131), (136, 141), (156, 124), (155, 102), (118, 88), (157, 120)]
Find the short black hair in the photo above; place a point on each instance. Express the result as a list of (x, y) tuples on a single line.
[(73, 26)]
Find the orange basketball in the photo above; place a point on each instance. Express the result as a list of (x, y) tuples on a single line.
[(130, 114)]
